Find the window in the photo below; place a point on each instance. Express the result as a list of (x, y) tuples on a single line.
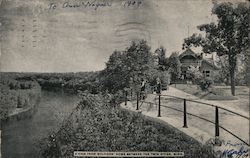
[(206, 73)]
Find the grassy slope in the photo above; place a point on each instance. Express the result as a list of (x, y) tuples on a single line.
[(215, 93)]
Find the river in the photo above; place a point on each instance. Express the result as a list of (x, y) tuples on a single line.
[(19, 138)]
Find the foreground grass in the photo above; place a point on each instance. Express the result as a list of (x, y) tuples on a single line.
[(94, 126)]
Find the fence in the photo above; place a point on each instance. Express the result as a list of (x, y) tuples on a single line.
[(185, 113)]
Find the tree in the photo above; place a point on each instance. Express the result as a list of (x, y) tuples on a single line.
[(174, 66), (228, 37), (114, 73), (162, 60), (223, 75), (240, 73), (247, 76), (136, 62)]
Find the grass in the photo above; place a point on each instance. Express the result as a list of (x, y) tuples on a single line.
[(188, 88), (214, 93)]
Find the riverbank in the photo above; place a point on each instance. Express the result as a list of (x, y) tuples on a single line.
[(23, 113), (17, 103)]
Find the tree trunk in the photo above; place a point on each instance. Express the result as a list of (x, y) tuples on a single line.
[(232, 77), (232, 65), (228, 80)]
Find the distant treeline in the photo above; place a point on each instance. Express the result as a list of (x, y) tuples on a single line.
[(70, 82)]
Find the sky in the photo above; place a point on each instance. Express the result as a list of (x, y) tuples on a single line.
[(73, 36)]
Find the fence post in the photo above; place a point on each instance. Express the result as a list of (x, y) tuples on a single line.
[(137, 100), (131, 94), (0, 142), (217, 127), (159, 106), (126, 97), (185, 114)]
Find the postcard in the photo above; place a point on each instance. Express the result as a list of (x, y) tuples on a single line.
[(124, 78)]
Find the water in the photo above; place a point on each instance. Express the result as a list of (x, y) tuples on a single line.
[(19, 138)]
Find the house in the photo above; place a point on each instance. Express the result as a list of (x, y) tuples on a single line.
[(205, 63)]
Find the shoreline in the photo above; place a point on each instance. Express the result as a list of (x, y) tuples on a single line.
[(22, 113)]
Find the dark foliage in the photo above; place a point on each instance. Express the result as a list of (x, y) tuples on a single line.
[(205, 83)]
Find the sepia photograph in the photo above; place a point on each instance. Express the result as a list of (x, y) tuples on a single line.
[(124, 78)]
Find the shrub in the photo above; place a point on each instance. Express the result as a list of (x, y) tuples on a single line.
[(205, 83), (194, 74)]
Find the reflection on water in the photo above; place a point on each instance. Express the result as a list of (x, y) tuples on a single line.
[(19, 138)]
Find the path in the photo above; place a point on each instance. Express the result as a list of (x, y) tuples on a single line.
[(200, 130)]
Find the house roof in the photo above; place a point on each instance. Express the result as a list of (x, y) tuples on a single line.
[(210, 64), (188, 52)]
